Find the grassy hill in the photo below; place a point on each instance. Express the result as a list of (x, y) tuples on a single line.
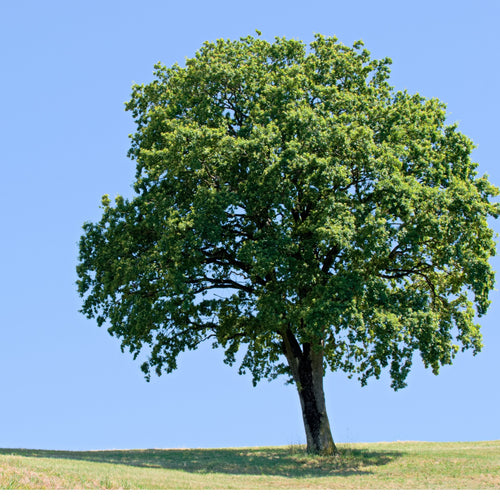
[(400, 465)]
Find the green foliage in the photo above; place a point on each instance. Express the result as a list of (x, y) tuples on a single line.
[(285, 188)]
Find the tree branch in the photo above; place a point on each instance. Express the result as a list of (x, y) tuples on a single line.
[(223, 258), (220, 283), (330, 258)]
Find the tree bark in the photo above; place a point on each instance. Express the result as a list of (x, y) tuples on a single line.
[(306, 365)]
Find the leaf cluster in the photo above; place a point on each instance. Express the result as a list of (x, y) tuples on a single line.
[(284, 188)]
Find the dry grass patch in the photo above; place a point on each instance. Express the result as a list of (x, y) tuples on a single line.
[(359, 466)]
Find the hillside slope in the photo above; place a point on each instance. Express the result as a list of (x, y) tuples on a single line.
[(400, 465)]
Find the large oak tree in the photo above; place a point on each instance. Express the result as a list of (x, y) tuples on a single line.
[(290, 203)]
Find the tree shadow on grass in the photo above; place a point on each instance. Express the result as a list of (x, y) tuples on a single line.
[(290, 462)]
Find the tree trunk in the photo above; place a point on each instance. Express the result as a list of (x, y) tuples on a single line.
[(306, 365)]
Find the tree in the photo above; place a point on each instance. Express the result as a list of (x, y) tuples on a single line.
[(291, 203)]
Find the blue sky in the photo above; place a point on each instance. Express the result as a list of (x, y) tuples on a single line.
[(67, 69)]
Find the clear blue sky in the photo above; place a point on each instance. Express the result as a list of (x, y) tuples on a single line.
[(67, 68)]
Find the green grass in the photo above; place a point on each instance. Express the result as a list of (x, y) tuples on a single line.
[(401, 465)]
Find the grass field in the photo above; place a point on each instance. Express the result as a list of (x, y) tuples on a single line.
[(401, 465)]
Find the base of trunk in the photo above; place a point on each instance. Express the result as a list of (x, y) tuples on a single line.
[(318, 432), (306, 365)]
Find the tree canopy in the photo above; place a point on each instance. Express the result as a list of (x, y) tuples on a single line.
[(289, 202)]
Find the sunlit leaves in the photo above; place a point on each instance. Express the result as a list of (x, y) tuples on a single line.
[(289, 188)]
